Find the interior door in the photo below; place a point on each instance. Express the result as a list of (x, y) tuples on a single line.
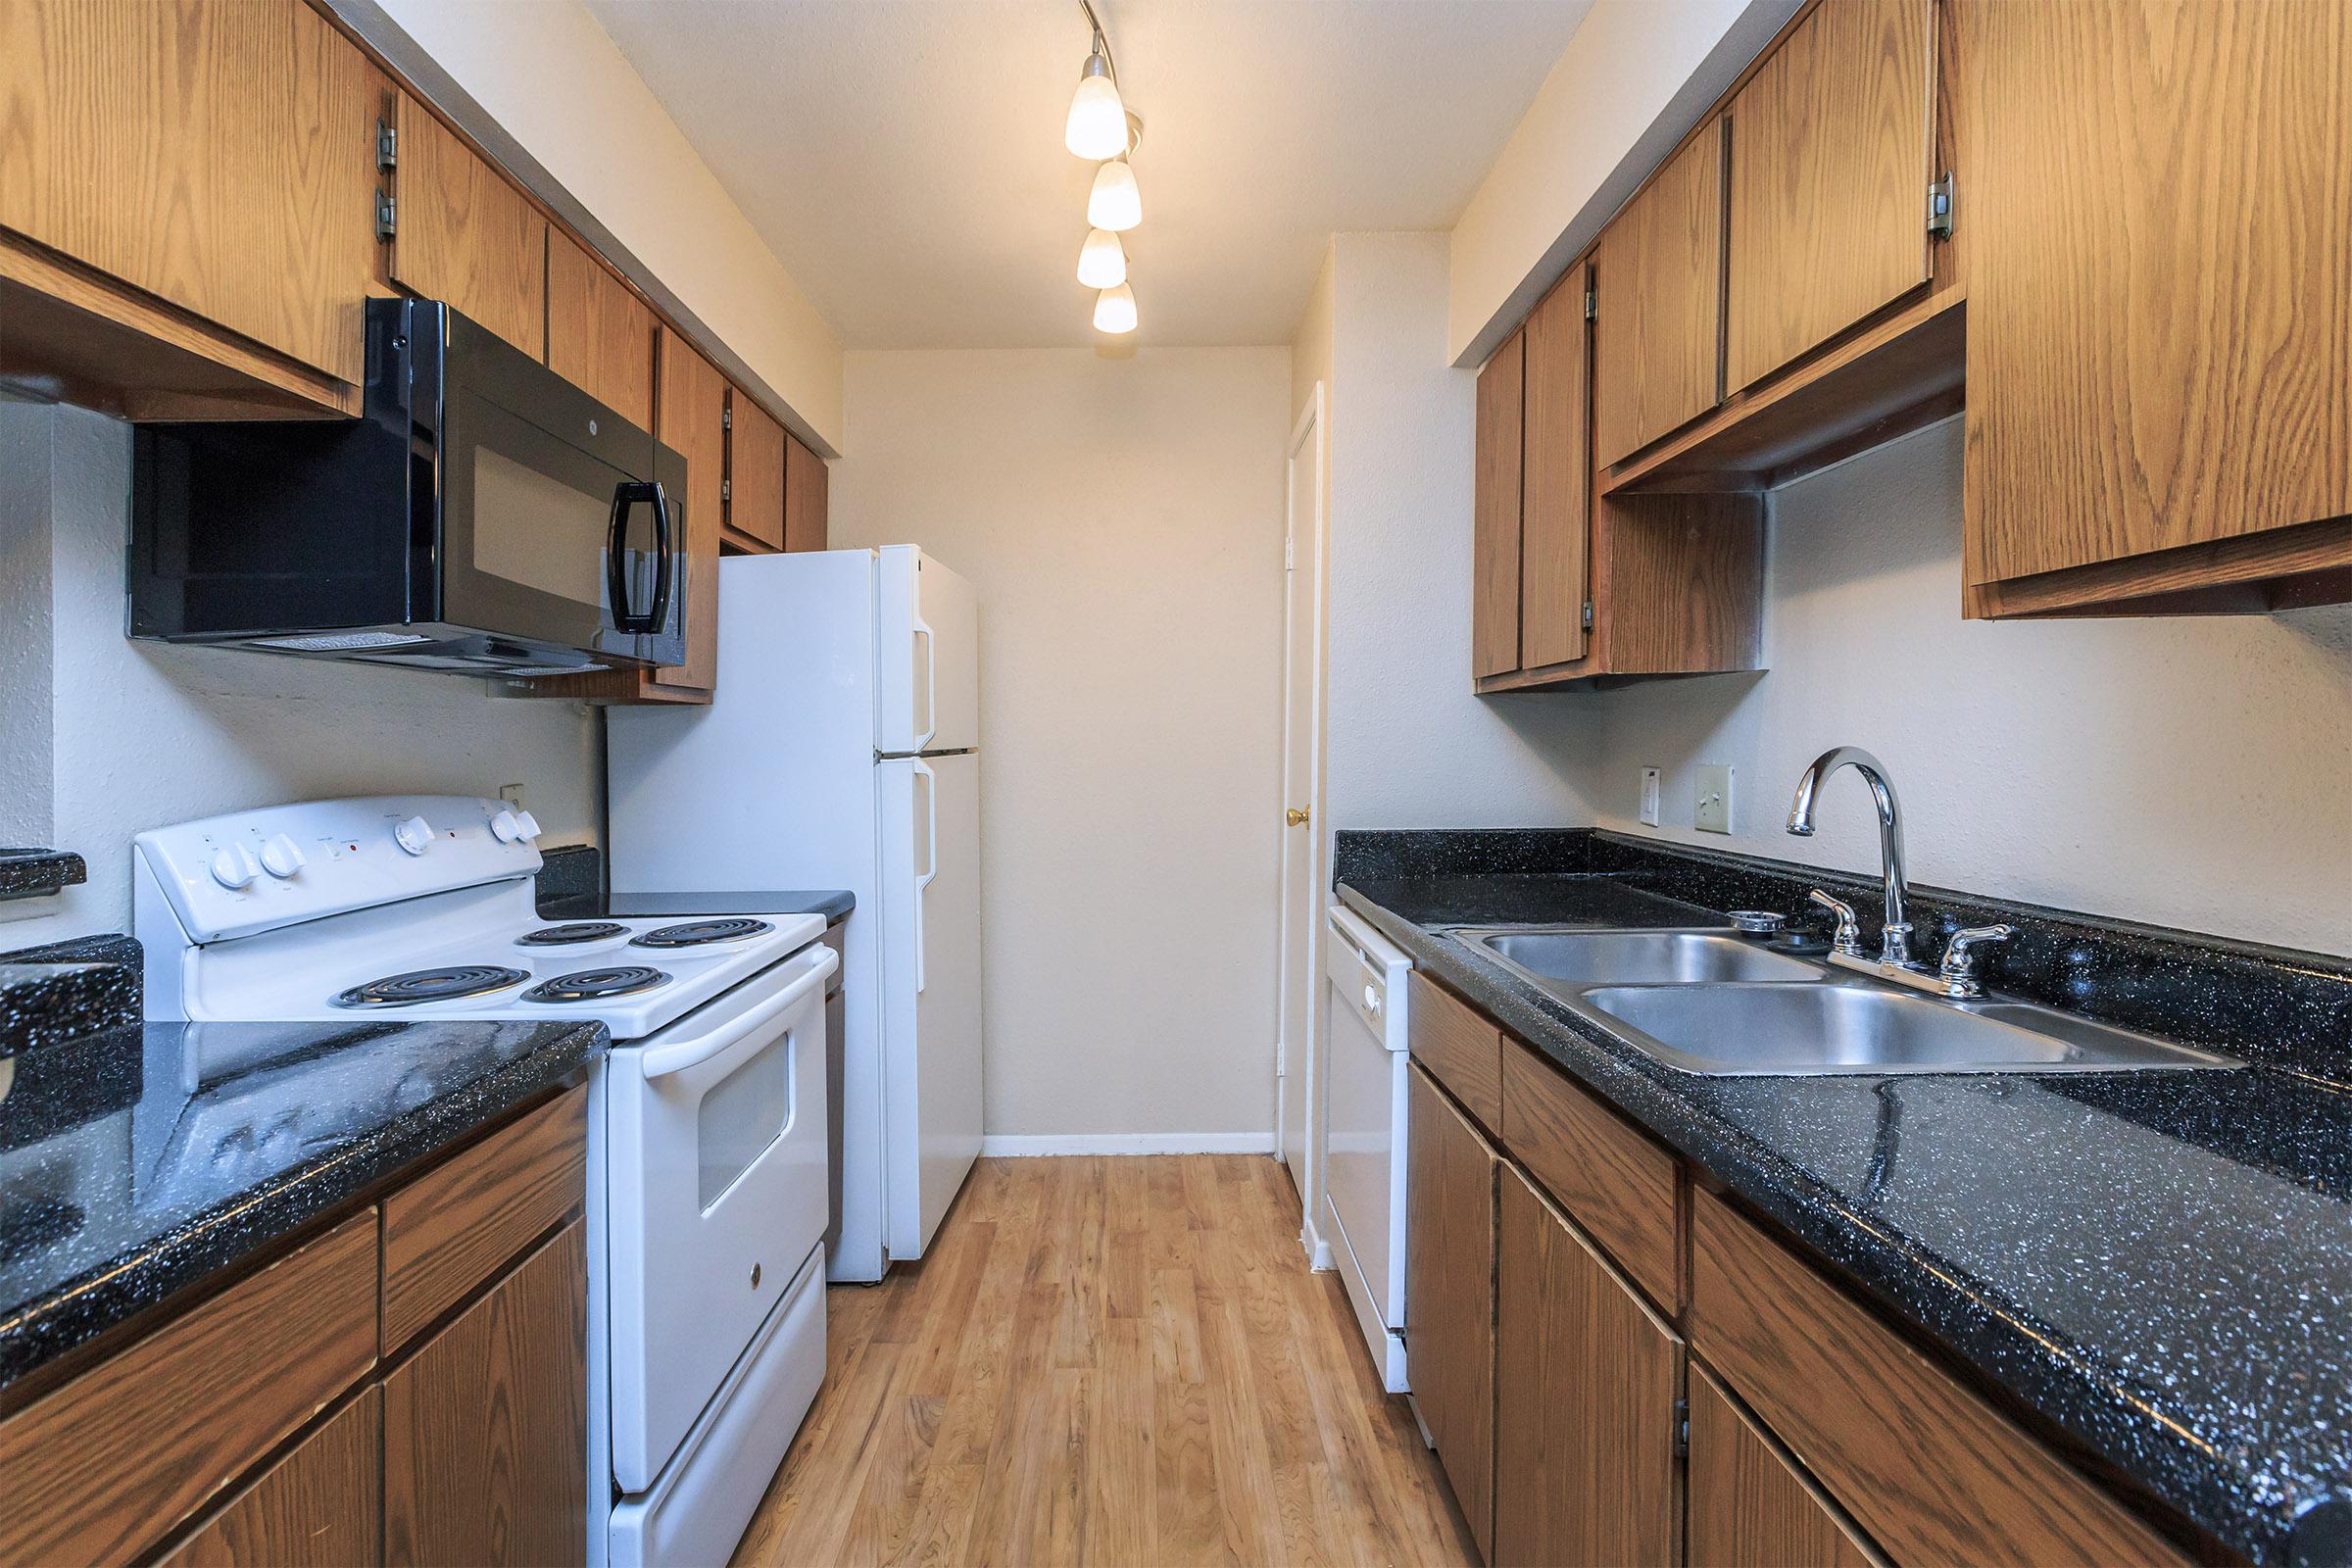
[(1301, 971), (931, 1023)]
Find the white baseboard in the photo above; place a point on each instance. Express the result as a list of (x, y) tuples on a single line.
[(1015, 1146)]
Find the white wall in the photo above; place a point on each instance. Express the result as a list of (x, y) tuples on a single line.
[(545, 72), (2189, 772), (141, 734), (1123, 521), (1635, 76), (1408, 745)]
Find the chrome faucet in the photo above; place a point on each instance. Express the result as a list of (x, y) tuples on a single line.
[(1894, 937)]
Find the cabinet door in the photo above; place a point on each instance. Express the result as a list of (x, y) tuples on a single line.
[(1832, 141), (1750, 1507), (1450, 1298), (318, 1508), (1555, 512), (805, 480), (485, 1427), (693, 419), (1586, 1381), (221, 157), (1658, 274), (599, 336), (466, 237), (1494, 511), (2160, 337), (754, 476)]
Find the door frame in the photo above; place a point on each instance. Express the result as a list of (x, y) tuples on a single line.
[(1305, 544)]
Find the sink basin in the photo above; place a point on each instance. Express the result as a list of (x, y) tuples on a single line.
[(1556, 959), (1848, 1028)]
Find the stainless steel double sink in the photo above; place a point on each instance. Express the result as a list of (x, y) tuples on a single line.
[(1708, 1001)]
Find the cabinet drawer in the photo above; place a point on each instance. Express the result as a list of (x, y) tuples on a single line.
[(1459, 1047), (1930, 1470), (1610, 1177), (109, 1463), (458, 1223)]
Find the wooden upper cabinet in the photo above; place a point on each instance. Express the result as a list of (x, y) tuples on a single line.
[(1832, 144), (754, 476), (600, 335), (219, 157), (693, 419), (1556, 509), (1750, 1507), (1659, 275), (1449, 1280), (1585, 1379), (465, 237), (2160, 289), (805, 484), (1495, 500)]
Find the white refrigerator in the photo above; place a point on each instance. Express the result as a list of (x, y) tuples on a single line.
[(841, 750)]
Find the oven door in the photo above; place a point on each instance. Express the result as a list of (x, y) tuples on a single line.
[(716, 1171), (560, 521)]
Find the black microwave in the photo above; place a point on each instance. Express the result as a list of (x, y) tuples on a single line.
[(482, 516)]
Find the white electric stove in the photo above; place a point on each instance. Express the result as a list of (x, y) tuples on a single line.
[(707, 1173)]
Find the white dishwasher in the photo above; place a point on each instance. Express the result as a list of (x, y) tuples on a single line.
[(1364, 1154)]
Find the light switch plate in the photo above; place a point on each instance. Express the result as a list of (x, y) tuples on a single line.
[(1650, 797), (1714, 812)]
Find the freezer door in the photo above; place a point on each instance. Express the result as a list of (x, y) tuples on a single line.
[(930, 811), (927, 651)]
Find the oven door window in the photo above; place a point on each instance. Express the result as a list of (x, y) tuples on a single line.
[(741, 1118)]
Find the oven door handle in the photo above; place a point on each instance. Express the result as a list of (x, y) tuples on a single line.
[(680, 1055), (626, 495)]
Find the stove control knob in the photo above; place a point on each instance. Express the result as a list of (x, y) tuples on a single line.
[(415, 835), (529, 826), (507, 828), (281, 856), (234, 867)]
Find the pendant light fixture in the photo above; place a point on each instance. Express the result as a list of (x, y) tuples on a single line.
[(1103, 261), (1115, 203), (1114, 310), (1100, 127), (1098, 123)]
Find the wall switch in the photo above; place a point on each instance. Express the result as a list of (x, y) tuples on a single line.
[(1714, 813), (1650, 797), (511, 794)]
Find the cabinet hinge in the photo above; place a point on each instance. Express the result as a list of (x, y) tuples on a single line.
[(1592, 306), (1939, 208), (726, 489), (387, 145), (387, 217), (1587, 616), (1681, 1429), (726, 418)]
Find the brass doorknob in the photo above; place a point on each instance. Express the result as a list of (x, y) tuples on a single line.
[(1295, 816)]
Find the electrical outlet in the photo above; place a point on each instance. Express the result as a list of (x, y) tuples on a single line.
[(1650, 797), (1714, 810), (511, 794)]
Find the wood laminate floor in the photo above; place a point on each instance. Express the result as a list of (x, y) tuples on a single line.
[(1105, 1362)]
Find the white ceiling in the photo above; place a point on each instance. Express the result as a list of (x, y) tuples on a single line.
[(903, 158)]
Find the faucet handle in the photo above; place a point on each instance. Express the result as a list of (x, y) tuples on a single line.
[(1848, 938), (1959, 969)]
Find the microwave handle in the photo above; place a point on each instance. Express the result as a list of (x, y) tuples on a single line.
[(625, 496)]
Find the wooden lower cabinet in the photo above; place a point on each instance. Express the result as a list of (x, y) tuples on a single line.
[(1750, 1507), (1449, 1291), (1586, 1381), (485, 1427), (318, 1508)]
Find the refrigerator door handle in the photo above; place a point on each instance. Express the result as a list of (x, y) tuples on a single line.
[(922, 879), (930, 651)]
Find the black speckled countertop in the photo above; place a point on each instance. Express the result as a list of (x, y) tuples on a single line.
[(30, 873), (137, 1163), (2157, 1265), (571, 888)]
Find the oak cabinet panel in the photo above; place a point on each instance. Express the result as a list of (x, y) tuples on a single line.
[(466, 237), (693, 420), (600, 335), (1612, 1179), (1457, 1045), (806, 483), (1494, 511), (485, 1427), (754, 476), (320, 1506), (1555, 513), (1658, 282), (1586, 1381), (1832, 143), (1750, 1507), (1449, 1291), (2160, 291), (217, 157)]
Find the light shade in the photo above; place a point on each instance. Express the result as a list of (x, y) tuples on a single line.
[(1114, 310), (1115, 203), (1103, 261), (1098, 123)]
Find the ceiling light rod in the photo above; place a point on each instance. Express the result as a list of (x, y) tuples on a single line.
[(1102, 41)]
